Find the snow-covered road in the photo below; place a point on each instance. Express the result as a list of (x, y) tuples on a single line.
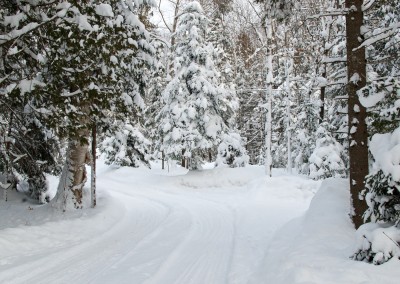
[(212, 226)]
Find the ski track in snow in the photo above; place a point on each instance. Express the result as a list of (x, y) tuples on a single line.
[(164, 230)]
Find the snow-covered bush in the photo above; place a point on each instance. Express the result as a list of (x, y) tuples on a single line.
[(126, 147), (28, 151), (302, 152), (326, 159), (383, 184), (232, 152), (377, 243)]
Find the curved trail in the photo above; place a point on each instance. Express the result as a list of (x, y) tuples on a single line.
[(167, 230)]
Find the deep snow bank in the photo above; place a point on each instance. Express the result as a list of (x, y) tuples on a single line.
[(316, 247)]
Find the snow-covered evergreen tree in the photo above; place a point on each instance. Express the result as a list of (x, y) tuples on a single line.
[(383, 183), (196, 109), (125, 145), (231, 151), (28, 149), (381, 96), (153, 100), (106, 74), (278, 9), (326, 159), (378, 240), (89, 59)]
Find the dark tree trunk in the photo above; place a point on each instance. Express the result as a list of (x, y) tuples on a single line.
[(93, 172), (322, 94), (183, 161), (356, 74), (162, 160)]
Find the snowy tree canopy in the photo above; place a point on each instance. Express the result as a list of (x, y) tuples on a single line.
[(196, 108)]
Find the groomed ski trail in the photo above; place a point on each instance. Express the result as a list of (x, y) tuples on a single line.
[(159, 229)]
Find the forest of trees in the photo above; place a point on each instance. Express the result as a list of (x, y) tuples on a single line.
[(311, 86)]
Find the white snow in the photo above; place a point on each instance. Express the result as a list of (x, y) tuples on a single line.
[(355, 78), (322, 82), (104, 10), (216, 225), (385, 149), (382, 239), (316, 247), (372, 99)]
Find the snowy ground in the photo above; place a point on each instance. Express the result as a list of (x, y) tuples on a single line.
[(212, 226)]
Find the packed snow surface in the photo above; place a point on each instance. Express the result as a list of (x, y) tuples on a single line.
[(202, 227)]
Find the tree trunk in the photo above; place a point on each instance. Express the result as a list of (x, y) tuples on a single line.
[(268, 120), (93, 168), (70, 188), (183, 161), (175, 23), (288, 130), (162, 160), (356, 74), (322, 91)]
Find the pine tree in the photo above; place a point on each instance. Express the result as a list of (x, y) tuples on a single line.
[(381, 97), (383, 183), (231, 151), (125, 145), (358, 136), (89, 61), (326, 159), (195, 109), (28, 149)]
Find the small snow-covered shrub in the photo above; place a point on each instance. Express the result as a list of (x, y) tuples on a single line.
[(303, 149), (377, 243), (127, 146), (383, 197), (326, 160), (382, 191), (231, 151)]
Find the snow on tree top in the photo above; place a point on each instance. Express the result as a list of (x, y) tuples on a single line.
[(194, 7), (104, 10), (386, 151), (372, 99)]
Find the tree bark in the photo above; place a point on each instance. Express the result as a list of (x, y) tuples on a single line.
[(183, 160), (162, 160), (322, 91), (93, 167), (70, 188), (356, 74), (268, 94)]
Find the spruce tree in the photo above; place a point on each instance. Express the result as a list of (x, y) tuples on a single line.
[(28, 148), (196, 109), (89, 62), (381, 97), (326, 159)]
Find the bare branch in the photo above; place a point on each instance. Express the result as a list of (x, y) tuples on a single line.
[(162, 16)]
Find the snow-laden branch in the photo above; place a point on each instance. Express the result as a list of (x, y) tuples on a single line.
[(385, 33), (334, 59), (331, 13), (367, 4), (30, 27)]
